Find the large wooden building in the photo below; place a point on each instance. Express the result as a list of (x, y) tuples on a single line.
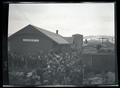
[(33, 40)]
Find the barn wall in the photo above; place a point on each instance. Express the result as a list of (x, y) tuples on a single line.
[(62, 47), (18, 45)]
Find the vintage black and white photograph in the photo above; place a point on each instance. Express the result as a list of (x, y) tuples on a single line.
[(60, 44)]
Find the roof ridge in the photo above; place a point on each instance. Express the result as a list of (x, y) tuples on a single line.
[(53, 36), (45, 30), (49, 33)]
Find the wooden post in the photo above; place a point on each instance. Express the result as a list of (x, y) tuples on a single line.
[(83, 71), (91, 60)]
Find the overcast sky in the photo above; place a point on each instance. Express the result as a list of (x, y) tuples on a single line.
[(69, 18)]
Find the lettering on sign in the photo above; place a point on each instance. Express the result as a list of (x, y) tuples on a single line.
[(30, 40)]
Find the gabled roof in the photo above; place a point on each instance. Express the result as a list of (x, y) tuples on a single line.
[(69, 39), (55, 37)]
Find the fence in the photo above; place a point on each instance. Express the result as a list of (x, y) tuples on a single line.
[(99, 62)]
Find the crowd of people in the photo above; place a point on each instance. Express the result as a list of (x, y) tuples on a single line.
[(63, 68), (50, 68)]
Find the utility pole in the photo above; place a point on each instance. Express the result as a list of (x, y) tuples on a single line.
[(91, 60)]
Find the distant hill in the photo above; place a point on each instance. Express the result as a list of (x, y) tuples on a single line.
[(99, 36), (110, 38)]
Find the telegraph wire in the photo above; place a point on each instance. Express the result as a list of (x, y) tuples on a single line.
[(24, 15)]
